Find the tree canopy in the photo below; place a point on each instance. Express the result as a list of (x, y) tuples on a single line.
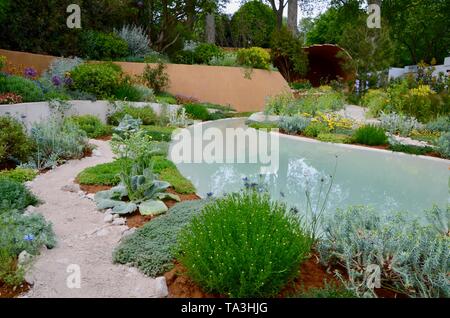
[(253, 24)]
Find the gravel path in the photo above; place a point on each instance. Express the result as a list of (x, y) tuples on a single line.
[(83, 240)]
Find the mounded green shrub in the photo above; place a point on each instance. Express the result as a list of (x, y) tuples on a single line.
[(159, 133), (100, 79), (14, 142), (103, 46), (316, 128), (128, 92), (197, 111), (177, 180), (205, 52), (26, 88), (414, 150), (92, 125), (243, 245), (15, 196), (24, 232), (370, 135), (19, 174), (334, 138), (151, 248), (255, 57), (103, 174), (146, 114)]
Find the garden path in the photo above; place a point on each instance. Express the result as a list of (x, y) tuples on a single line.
[(83, 240)]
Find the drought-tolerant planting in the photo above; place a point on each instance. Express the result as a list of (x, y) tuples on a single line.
[(152, 248), (259, 250), (89, 151)]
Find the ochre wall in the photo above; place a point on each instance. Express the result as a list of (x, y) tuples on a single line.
[(215, 84)]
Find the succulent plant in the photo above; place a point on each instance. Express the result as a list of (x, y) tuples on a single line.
[(144, 191)]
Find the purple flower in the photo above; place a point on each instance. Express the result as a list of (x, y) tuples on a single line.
[(56, 80), (68, 81), (30, 72), (28, 237)]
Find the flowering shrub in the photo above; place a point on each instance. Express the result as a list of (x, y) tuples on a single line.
[(244, 245), (10, 98), (334, 121), (422, 90), (255, 57), (30, 73)]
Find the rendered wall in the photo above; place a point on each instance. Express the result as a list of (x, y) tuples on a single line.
[(214, 84), (30, 113)]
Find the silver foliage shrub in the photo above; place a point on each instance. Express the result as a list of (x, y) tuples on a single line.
[(399, 124), (60, 67), (444, 145), (55, 141), (411, 258), (294, 124), (138, 41)]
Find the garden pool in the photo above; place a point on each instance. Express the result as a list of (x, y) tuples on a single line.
[(385, 180)]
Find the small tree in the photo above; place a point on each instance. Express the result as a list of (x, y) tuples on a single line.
[(288, 54), (156, 77)]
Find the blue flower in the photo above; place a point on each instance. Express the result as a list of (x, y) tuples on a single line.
[(245, 179), (28, 237), (209, 194)]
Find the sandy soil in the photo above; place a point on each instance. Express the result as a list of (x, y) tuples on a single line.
[(83, 240)]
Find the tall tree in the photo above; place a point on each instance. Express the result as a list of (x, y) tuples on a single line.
[(292, 18), (371, 49), (253, 24)]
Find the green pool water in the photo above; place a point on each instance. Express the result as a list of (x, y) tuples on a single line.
[(384, 180)]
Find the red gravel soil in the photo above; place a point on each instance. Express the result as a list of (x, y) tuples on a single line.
[(137, 220), (10, 292), (312, 275), (104, 138), (93, 188)]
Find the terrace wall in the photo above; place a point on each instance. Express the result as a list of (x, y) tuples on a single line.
[(30, 113), (215, 84)]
